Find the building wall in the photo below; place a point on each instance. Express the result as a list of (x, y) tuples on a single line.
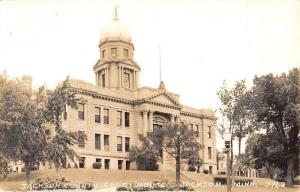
[(90, 127)]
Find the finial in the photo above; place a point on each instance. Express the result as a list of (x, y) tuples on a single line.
[(116, 18)]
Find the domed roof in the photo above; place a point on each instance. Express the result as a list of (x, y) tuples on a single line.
[(116, 30)]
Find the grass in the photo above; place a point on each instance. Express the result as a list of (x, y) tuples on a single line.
[(104, 179)]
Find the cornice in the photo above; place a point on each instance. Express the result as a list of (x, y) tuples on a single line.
[(139, 102), (195, 115), (129, 62)]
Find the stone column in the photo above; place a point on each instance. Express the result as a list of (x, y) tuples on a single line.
[(145, 119), (119, 76), (106, 77), (151, 121), (177, 119), (97, 79), (172, 119)]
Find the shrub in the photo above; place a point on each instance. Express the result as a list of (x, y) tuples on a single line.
[(192, 168), (220, 180), (34, 168), (296, 181), (243, 181), (96, 165), (163, 185)]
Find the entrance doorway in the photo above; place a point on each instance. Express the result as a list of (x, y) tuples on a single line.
[(82, 162), (210, 169)]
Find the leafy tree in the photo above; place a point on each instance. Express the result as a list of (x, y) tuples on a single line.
[(23, 137), (59, 147), (273, 103), (146, 155), (235, 112), (177, 141), (24, 132)]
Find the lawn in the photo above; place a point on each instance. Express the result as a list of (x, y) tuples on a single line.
[(108, 179), (102, 178)]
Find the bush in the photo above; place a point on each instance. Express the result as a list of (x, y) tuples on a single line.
[(242, 181), (220, 180), (34, 168), (296, 181), (163, 185), (192, 168), (205, 171), (149, 165), (96, 165)]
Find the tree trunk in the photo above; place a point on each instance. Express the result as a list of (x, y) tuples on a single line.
[(27, 171), (177, 168), (289, 173), (240, 143)]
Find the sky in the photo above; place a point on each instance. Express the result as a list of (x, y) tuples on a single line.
[(203, 42)]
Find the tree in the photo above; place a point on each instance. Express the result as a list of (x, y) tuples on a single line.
[(234, 111), (146, 155), (177, 141), (23, 137), (24, 133), (273, 103), (59, 147)]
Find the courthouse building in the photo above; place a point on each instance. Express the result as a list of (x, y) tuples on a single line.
[(117, 109)]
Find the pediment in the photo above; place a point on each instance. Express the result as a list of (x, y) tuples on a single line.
[(162, 99)]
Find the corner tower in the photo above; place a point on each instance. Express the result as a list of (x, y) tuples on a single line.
[(116, 68)]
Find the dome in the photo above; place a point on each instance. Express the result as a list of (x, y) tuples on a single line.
[(116, 30)]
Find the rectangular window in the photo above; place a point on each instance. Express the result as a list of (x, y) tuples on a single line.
[(81, 139), (119, 144), (120, 164), (103, 79), (97, 114), (127, 119), (113, 52), (127, 144), (106, 116), (191, 127), (197, 130), (209, 152), (106, 142), (125, 52), (127, 165), (209, 132), (97, 141), (98, 160), (126, 80), (106, 163), (119, 118), (181, 123), (81, 111), (103, 53)]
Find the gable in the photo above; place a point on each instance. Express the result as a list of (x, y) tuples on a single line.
[(163, 99)]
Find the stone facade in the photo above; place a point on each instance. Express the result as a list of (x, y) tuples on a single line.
[(117, 109)]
